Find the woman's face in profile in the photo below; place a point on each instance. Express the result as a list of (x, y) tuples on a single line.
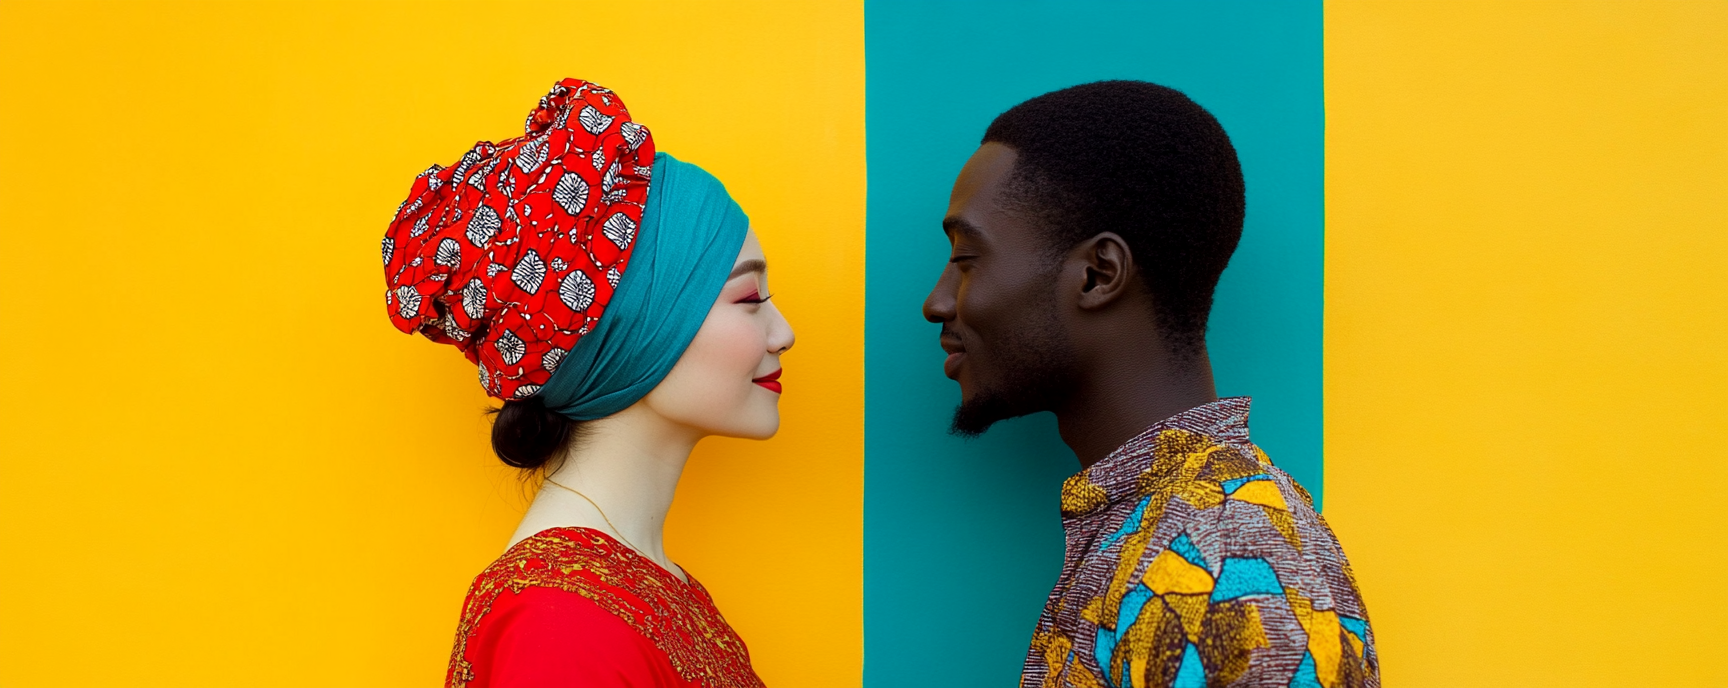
[(726, 383)]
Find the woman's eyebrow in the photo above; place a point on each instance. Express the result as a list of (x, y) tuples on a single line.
[(748, 266)]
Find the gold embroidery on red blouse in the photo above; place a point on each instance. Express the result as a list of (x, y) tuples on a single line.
[(678, 617)]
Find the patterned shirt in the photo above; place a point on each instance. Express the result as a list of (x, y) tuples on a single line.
[(1193, 561)]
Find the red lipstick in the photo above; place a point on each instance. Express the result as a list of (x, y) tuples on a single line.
[(770, 382)]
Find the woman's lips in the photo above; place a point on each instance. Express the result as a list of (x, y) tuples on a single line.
[(770, 382), (951, 366)]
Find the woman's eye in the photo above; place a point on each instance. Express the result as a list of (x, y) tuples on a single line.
[(755, 297)]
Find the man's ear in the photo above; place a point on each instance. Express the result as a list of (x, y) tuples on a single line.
[(1107, 267)]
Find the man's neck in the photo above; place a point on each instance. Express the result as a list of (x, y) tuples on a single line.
[(1119, 398)]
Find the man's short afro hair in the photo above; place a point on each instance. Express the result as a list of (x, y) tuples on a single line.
[(1143, 161)]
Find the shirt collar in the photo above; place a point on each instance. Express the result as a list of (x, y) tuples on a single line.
[(1116, 477)]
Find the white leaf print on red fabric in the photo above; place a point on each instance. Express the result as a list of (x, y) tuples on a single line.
[(634, 133), (510, 347), (576, 291), (449, 253), (529, 272), (531, 156), (483, 226), (407, 301), (571, 194), (474, 299), (592, 120), (620, 229)]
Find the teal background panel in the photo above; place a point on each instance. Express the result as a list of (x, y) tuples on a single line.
[(962, 538)]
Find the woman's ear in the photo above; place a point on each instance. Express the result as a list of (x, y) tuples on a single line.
[(1107, 267)]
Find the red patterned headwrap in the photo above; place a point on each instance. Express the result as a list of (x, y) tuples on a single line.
[(512, 254)]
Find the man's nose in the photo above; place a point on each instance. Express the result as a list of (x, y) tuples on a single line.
[(939, 305)]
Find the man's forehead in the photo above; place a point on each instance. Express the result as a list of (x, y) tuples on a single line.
[(976, 187), (986, 169)]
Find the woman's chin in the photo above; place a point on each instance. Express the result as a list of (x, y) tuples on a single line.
[(767, 431), (758, 428), (751, 423)]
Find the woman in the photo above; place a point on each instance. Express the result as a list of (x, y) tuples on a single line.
[(617, 300)]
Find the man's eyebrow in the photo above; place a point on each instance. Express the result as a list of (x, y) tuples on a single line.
[(958, 225), (748, 266)]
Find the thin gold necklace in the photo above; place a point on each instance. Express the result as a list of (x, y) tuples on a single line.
[(609, 524)]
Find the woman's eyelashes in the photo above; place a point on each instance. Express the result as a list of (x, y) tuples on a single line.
[(755, 296)]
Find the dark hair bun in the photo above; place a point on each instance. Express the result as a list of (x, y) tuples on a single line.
[(527, 435)]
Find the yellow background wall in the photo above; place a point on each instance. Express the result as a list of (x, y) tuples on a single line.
[(1527, 337), (222, 466)]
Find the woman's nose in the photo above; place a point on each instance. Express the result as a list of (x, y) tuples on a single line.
[(780, 336)]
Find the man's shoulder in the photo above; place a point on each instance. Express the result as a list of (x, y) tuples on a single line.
[(1228, 566), (1205, 472), (1232, 527), (1231, 502)]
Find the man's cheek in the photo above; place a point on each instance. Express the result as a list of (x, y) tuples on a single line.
[(976, 306)]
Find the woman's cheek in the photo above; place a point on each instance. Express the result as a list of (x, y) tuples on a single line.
[(712, 388), (731, 351), (745, 347)]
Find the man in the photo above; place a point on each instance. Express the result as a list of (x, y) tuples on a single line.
[(1088, 232)]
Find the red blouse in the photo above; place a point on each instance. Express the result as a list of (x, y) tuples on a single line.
[(574, 607)]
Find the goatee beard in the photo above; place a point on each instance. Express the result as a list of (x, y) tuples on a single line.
[(1037, 382), (974, 417)]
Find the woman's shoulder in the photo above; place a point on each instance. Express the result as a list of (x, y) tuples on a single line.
[(544, 636), (567, 587), (581, 562), (555, 609)]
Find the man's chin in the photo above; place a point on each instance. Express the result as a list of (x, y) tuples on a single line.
[(975, 415), (966, 425), (1033, 382)]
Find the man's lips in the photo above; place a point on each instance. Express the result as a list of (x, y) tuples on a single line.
[(956, 356), (770, 382), (951, 366)]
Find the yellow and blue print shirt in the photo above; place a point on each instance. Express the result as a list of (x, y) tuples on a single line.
[(1193, 561)]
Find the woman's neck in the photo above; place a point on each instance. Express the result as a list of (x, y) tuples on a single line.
[(629, 465)]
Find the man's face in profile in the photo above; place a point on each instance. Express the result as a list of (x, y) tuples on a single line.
[(997, 300)]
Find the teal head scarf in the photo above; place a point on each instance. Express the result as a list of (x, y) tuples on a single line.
[(690, 236)]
